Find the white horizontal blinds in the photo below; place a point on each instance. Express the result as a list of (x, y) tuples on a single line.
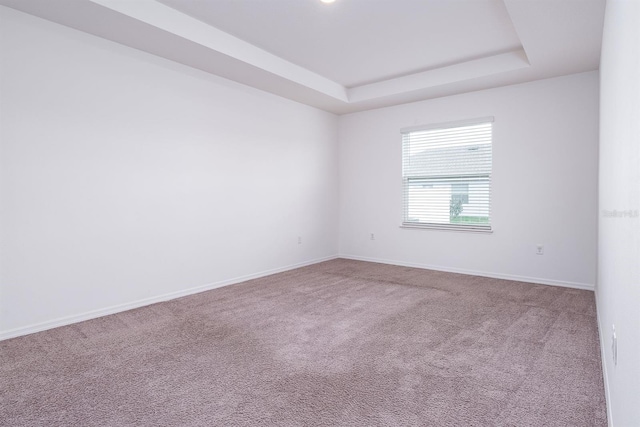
[(447, 176)]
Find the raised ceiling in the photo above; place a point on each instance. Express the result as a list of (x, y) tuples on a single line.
[(351, 55), (356, 42)]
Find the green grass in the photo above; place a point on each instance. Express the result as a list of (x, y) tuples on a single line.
[(470, 220)]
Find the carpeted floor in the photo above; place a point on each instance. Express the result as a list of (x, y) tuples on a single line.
[(341, 343)]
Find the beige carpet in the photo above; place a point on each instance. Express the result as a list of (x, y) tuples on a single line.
[(341, 343)]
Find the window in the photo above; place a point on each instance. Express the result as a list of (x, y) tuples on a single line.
[(446, 176)]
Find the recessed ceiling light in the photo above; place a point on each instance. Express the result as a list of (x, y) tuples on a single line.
[(327, 1)]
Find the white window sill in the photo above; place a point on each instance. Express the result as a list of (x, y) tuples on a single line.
[(464, 229)]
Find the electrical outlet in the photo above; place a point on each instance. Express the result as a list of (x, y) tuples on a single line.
[(614, 345), (540, 249), (372, 236), (299, 240)]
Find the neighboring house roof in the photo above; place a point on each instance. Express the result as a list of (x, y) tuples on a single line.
[(449, 161)]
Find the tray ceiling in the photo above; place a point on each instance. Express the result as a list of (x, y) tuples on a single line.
[(351, 55)]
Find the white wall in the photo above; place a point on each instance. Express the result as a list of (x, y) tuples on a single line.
[(618, 288), (125, 178), (545, 149)]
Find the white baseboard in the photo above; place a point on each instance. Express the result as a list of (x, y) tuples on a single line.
[(536, 280), (67, 320), (605, 376), (88, 315)]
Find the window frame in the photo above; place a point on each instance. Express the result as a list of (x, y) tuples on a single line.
[(473, 228)]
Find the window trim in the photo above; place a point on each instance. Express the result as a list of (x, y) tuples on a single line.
[(446, 227), (445, 125), (468, 228)]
